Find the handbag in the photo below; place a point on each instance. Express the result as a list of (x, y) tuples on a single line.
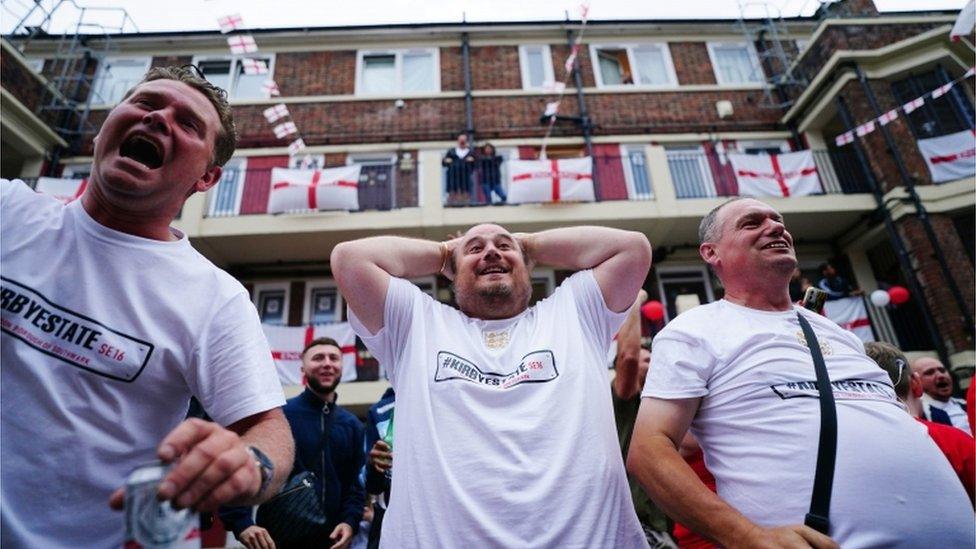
[(294, 517), (818, 517)]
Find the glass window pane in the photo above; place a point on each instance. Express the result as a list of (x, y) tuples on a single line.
[(323, 305), (535, 67), (271, 307), (118, 77), (614, 67), (418, 72), (217, 72), (735, 65), (248, 86), (379, 74), (651, 69)]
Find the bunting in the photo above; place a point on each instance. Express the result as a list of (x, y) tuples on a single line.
[(552, 107)]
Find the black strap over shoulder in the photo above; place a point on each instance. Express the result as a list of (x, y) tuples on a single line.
[(818, 517)]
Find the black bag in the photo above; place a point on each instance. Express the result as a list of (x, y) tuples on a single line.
[(294, 517)]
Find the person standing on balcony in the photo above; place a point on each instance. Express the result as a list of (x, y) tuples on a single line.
[(111, 321), (503, 432), (739, 372), (836, 286), (490, 172), (459, 161)]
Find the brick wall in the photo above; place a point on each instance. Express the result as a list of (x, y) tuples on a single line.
[(948, 317), (171, 60), (20, 82), (316, 73), (452, 68), (691, 63), (495, 68)]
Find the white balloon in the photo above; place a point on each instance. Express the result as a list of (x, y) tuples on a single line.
[(880, 298)]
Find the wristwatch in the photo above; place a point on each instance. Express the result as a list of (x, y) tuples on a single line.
[(265, 467)]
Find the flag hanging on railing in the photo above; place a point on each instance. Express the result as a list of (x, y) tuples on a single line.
[(850, 314), (964, 22), (65, 190), (287, 343), (563, 180), (327, 189), (950, 157), (781, 175)]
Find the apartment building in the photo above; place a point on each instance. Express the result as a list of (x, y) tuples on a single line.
[(658, 105)]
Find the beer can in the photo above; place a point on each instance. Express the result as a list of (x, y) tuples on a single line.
[(814, 299), (154, 524)]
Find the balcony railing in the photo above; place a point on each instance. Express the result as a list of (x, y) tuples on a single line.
[(246, 192), (698, 174), (615, 177)]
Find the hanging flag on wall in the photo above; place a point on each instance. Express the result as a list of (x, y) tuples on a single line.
[(287, 343), (65, 190), (950, 157), (563, 180), (850, 314), (326, 189), (780, 175)]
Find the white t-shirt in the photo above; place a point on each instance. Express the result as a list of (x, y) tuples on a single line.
[(105, 336), (759, 421), (955, 411), (507, 447)]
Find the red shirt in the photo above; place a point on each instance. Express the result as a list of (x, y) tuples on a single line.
[(686, 538), (958, 449)]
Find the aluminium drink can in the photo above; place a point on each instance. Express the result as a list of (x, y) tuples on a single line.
[(154, 524)]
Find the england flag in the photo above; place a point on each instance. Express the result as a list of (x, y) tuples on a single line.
[(780, 175), (287, 343), (564, 180), (328, 189)]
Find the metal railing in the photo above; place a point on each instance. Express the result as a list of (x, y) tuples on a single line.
[(697, 174)]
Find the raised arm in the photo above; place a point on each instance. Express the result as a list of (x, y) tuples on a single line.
[(362, 270), (619, 259), (626, 381), (662, 472)]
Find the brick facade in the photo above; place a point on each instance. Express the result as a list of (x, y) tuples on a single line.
[(20, 82), (316, 73), (691, 63)]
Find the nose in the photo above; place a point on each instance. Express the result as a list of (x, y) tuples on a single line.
[(156, 120), (491, 251)]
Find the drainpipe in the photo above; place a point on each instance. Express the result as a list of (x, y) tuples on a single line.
[(921, 212), (903, 260), (468, 99), (584, 115)]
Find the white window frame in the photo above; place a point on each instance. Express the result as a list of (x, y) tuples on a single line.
[(273, 286), (629, 177), (398, 71), (312, 285), (239, 163), (549, 75), (295, 161), (742, 144), (102, 67), (753, 57), (698, 269), (629, 47), (234, 60)]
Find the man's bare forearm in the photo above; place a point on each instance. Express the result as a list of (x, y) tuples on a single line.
[(397, 256), (578, 248), (678, 491), (270, 433)]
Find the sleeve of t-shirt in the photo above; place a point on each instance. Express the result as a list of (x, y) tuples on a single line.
[(388, 343), (680, 367), (233, 374), (596, 318), (22, 207)]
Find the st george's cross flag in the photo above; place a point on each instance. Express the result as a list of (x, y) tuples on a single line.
[(563, 180), (65, 190), (781, 175), (242, 44), (285, 129), (850, 314), (950, 157), (254, 66), (287, 343), (270, 88), (327, 189), (275, 113), (230, 23), (965, 21)]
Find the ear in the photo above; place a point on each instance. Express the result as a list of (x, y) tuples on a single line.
[(709, 254), (915, 386), (208, 179)]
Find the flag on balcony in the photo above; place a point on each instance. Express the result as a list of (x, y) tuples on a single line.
[(242, 44), (254, 66), (287, 343), (270, 88), (964, 22), (275, 113), (950, 157), (65, 190), (850, 314), (285, 129), (564, 180), (230, 23), (781, 175), (328, 189)]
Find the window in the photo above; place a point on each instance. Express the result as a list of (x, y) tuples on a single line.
[(323, 304), (950, 113), (633, 65), (228, 73), (398, 71), (690, 172), (635, 173), (377, 180), (735, 63), (76, 171), (536, 64), (117, 76), (225, 197), (271, 300), (683, 287), (306, 162)]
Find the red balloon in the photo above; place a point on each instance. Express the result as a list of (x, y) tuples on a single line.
[(653, 310), (898, 294)]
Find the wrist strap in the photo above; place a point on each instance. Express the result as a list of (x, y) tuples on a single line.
[(818, 517)]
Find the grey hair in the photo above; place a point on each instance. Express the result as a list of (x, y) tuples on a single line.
[(707, 230)]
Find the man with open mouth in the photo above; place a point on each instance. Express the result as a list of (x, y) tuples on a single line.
[(111, 321), (938, 404), (504, 428)]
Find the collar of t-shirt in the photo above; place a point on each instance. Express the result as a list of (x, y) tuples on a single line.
[(96, 229), (948, 405)]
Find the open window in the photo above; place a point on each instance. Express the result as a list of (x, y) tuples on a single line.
[(643, 65)]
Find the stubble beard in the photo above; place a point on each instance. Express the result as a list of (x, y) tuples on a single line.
[(495, 301), (319, 388)]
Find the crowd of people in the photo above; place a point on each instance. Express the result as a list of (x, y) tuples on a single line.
[(502, 427)]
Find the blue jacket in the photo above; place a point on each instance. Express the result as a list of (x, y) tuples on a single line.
[(379, 415), (336, 463)]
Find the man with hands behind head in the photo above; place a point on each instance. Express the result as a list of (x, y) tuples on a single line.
[(111, 321), (504, 430)]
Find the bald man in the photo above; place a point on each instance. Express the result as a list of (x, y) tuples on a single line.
[(938, 404), (504, 433)]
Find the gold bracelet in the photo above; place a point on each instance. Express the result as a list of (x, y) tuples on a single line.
[(445, 256)]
